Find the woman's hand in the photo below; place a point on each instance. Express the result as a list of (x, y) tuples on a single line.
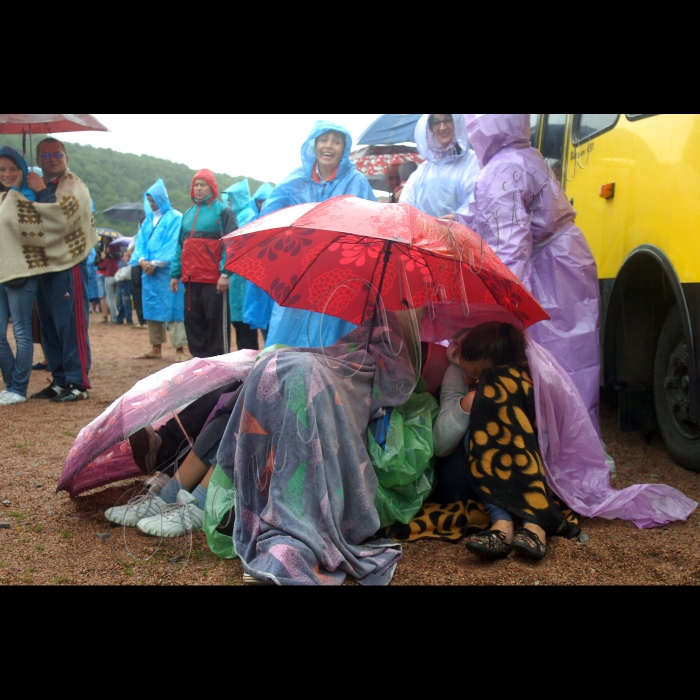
[(148, 267), (174, 285), (467, 402), (223, 284)]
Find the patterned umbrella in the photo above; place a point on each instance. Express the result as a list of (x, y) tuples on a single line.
[(348, 256), (108, 233), (374, 160)]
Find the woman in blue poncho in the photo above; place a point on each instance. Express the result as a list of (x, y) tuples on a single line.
[(16, 297), (326, 172), (156, 244)]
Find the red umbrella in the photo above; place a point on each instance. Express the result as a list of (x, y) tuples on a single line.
[(374, 160), (48, 123), (342, 255)]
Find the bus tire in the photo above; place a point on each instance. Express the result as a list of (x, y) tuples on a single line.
[(672, 394)]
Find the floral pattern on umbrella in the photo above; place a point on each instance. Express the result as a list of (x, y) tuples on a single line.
[(339, 256)]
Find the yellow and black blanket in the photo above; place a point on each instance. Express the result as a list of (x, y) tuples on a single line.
[(505, 467)]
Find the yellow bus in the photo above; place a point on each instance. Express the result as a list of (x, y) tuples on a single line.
[(634, 180)]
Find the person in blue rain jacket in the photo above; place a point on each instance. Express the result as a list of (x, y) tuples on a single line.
[(326, 171), (156, 244), (258, 304)]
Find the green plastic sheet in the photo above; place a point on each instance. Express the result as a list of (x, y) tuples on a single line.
[(219, 514), (405, 467)]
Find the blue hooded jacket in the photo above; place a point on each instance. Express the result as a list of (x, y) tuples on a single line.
[(296, 327), (158, 244), (13, 155)]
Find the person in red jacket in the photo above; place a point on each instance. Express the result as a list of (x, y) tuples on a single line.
[(199, 263)]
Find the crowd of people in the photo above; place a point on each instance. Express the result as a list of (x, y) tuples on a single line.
[(292, 437)]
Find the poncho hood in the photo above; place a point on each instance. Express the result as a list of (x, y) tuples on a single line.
[(428, 145), (263, 192), (491, 133), (8, 152), (160, 195), (208, 177), (308, 150), (238, 195)]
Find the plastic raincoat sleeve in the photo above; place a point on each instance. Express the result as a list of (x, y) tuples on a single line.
[(229, 223), (499, 214)]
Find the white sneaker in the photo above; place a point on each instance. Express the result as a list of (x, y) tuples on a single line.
[(136, 509), (176, 519), (7, 398)]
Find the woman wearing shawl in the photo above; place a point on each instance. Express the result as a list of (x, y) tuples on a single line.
[(444, 183), (326, 172), (521, 441), (16, 296), (156, 244), (522, 212)]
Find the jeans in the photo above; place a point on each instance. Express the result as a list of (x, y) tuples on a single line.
[(18, 304), (111, 292), (124, 303)]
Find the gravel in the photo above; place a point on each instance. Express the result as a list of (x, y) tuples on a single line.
[(50, 539)]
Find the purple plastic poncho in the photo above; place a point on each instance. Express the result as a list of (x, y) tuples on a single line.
[(522, 212), (444, 183), (573, 456)]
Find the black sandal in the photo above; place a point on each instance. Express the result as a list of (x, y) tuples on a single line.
[(489, 543), (528, 544)]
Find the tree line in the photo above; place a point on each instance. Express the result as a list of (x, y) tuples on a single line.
[(114, 177)]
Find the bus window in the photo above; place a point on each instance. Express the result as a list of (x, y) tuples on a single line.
[(534, 129), (587, 126), (553, 142)]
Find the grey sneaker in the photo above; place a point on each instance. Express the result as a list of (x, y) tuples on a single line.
[(175, 519)]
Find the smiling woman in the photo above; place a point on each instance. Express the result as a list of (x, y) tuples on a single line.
[(326, 172)]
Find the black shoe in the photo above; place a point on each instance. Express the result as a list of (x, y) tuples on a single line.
[(52, 391), (71, 393)]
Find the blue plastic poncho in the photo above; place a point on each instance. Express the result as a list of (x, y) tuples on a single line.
[(237, 196), (295, 327), (257, 308), (13, 155), (158, 244), (444, 183)]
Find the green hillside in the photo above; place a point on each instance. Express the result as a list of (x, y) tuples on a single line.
[(114, 177)]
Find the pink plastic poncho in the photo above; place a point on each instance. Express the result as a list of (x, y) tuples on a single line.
[(573, 456), (522, 212)]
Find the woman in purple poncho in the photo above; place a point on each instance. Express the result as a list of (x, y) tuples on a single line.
[(522, 212)]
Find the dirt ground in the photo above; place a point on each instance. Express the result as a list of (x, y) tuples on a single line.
[(50, 539)]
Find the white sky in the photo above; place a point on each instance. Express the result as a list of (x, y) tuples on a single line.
[(266, 147)]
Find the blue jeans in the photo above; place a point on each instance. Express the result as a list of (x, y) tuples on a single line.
[(124, 303), (18, 304)]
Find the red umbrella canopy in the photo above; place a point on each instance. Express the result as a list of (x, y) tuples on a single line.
[(374, 160), (48, 123), (339, 256)]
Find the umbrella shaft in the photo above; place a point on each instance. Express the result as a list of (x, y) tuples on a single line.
[(387, 253)]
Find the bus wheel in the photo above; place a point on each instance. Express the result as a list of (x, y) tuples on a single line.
[(672, 394)]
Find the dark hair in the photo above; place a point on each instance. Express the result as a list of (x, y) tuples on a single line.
[(502, 343), (51, 139), (431, 120), (333, 131)]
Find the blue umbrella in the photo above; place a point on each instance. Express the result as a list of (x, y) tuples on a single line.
[(390, 129)]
